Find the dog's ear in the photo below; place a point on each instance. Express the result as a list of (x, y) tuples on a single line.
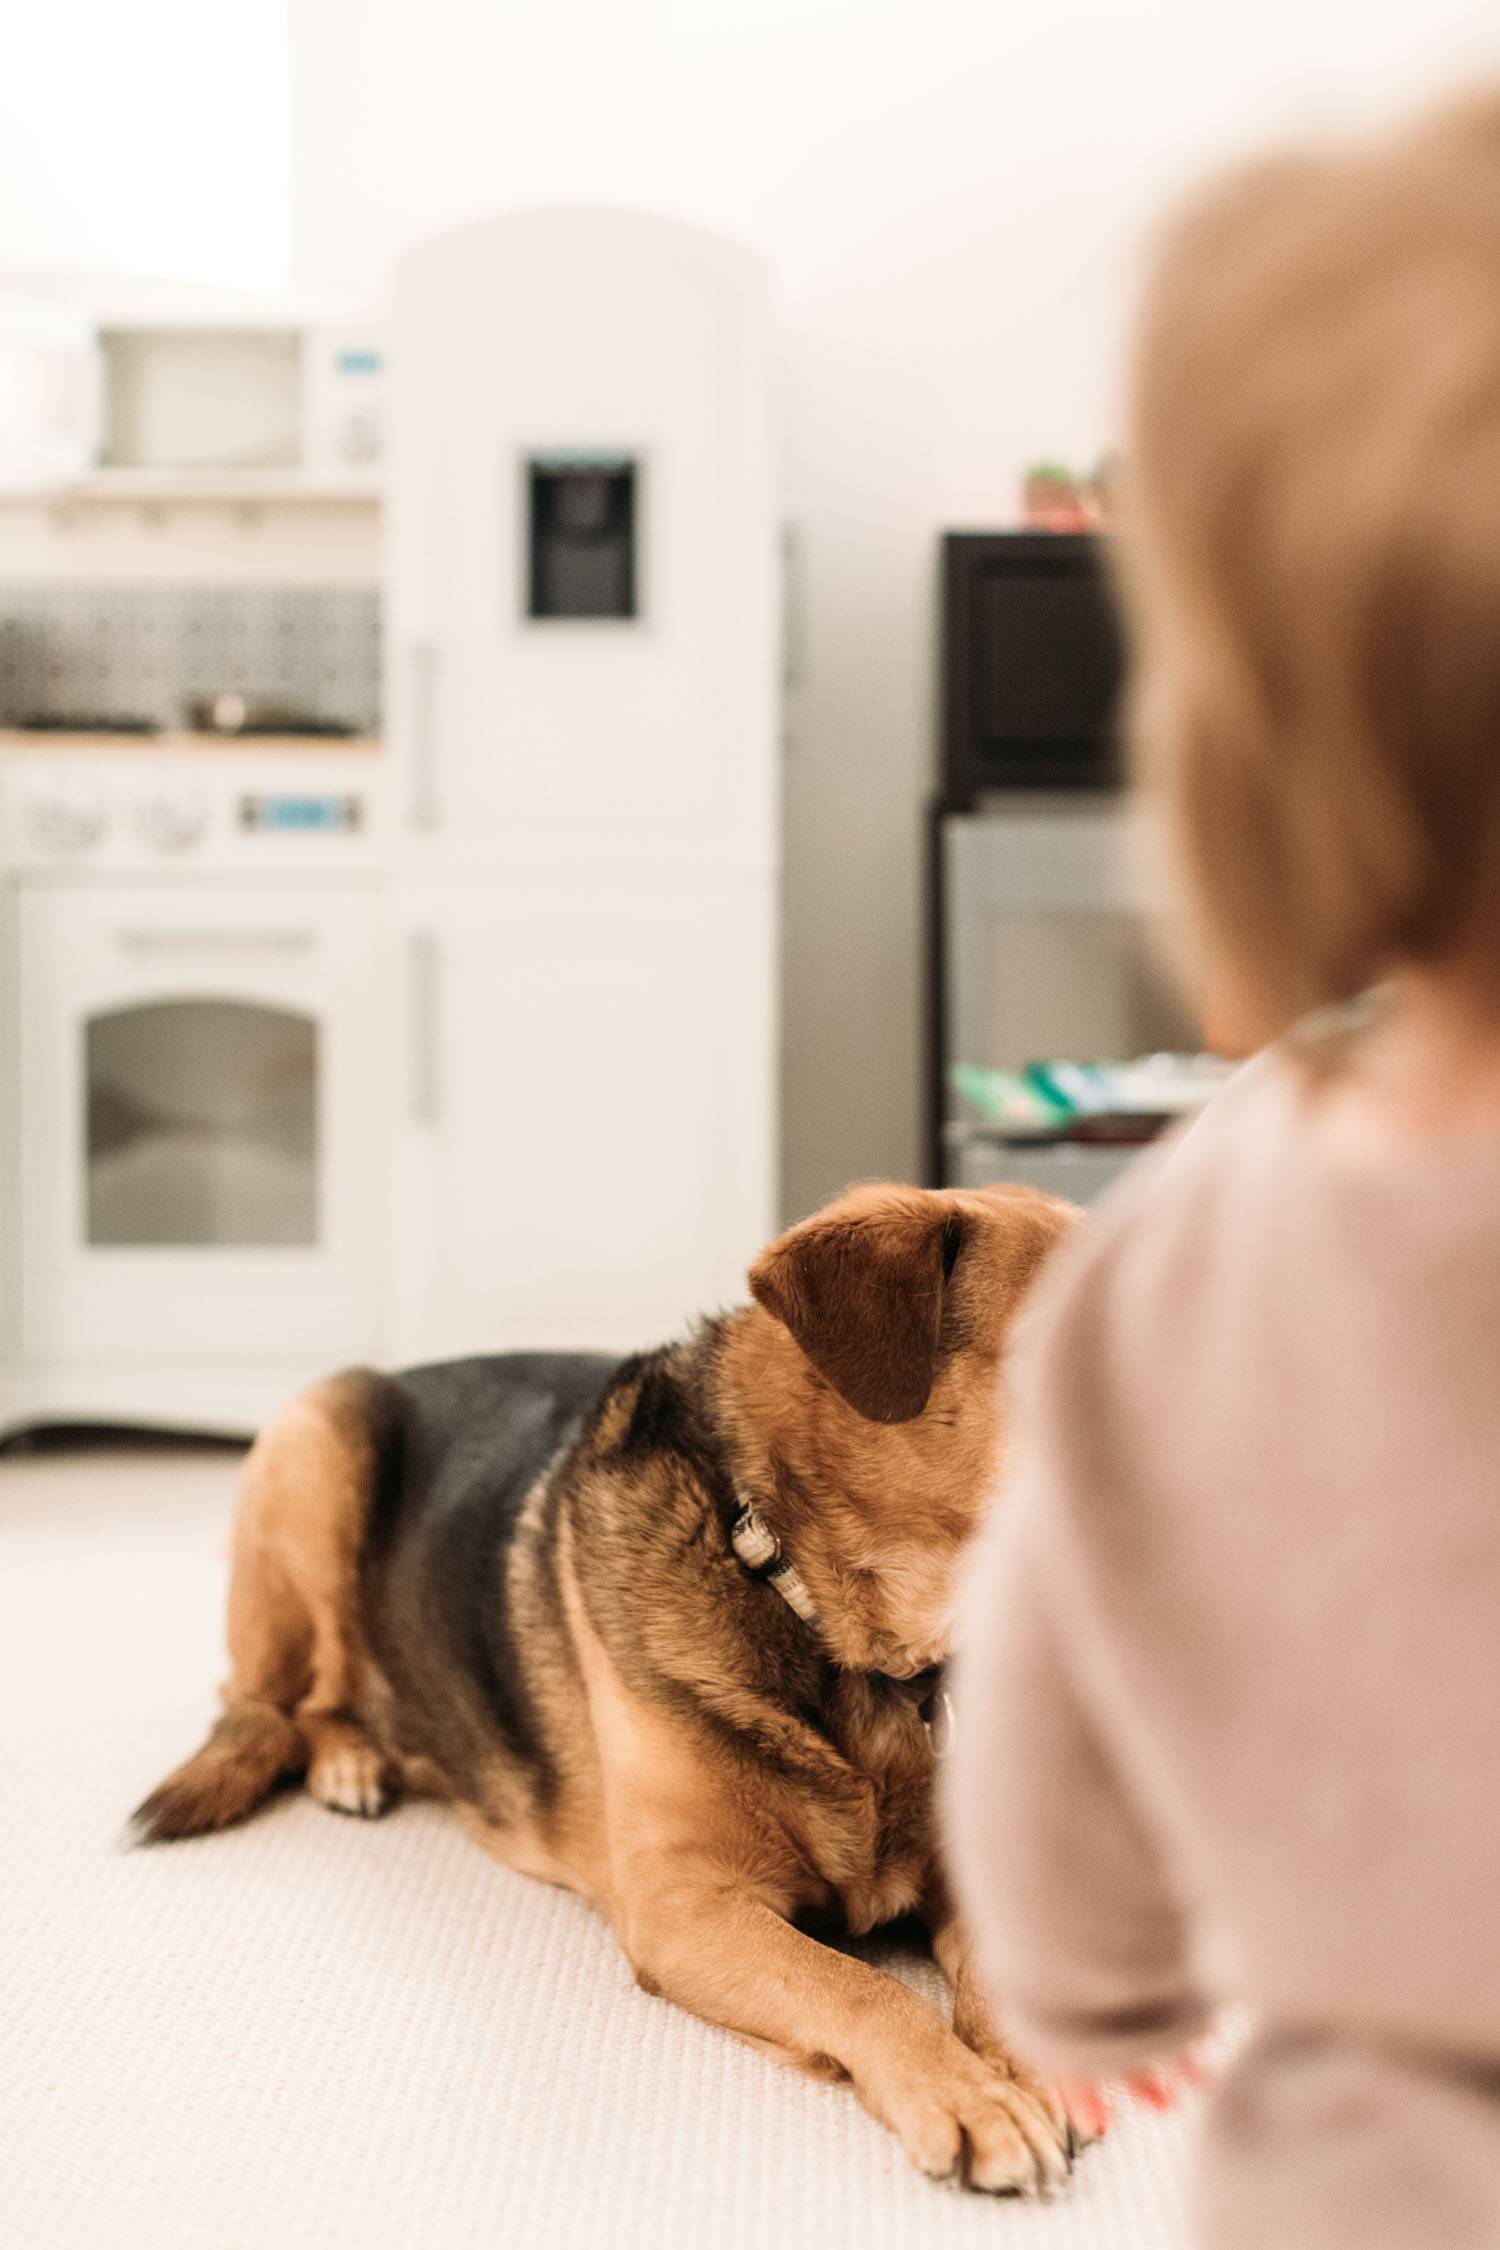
[(861, 1290)]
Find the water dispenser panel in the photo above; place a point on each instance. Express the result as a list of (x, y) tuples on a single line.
[(582, 514)]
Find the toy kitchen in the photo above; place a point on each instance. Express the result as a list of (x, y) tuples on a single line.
[(387, 820)]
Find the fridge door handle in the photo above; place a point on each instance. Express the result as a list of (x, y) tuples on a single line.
[(422, 735), (204, 940), (425, 1087), (793, 619)]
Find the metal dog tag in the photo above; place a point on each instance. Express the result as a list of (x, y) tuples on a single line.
[(937, 1718)]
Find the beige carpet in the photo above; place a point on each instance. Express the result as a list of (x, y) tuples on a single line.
[(317, 2032)]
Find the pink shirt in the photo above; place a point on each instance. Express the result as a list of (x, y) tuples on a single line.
[(1229, 1698)]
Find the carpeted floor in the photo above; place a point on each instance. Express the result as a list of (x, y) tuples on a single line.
[(320, 2034)]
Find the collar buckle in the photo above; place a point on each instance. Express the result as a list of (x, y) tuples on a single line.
[(759, 1549)]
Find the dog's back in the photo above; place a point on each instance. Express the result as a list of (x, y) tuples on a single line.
[(467, 1443)]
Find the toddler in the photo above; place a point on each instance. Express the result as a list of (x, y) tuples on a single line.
[(1229, 1708)]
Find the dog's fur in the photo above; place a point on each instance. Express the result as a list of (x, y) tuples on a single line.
[(511, 1582)]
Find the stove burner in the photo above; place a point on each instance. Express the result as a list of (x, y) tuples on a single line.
[(88, 722), (332, 730)]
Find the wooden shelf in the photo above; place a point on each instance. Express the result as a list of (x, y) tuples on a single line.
[(34, 740), (193, 487)]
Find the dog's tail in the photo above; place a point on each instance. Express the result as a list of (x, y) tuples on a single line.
[(245, 1756)]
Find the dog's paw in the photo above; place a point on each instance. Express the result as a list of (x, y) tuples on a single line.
[(990, 2131), (1077, 2124), (350, 1779), (1077, 2121)]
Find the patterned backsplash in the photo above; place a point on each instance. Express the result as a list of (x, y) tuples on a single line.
[(148, 651)]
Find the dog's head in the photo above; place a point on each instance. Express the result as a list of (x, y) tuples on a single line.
[(877, 1391)]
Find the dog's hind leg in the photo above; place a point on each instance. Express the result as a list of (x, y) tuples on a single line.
[(257, 1740), (345, 1770), (290, 1704)]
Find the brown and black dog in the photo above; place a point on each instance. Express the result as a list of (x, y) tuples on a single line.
[(663, 1629)]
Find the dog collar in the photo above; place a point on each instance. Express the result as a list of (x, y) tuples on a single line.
[(759, 1550)]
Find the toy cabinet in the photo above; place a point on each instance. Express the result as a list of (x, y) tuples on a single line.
[(475, 1051), (195, 1127)]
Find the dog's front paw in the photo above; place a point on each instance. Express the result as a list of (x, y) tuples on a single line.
[(1076, 2122), (959, 2119)]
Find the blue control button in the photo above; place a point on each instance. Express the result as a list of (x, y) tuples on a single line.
[(318, 814)]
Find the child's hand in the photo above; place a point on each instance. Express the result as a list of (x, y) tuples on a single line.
[(1159, 2085)]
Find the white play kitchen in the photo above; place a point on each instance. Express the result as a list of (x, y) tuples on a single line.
[(388, 753)]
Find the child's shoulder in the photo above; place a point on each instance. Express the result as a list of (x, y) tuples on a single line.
[(1240, 1139), (1147, 1258)]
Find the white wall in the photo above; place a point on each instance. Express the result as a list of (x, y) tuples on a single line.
[(952, 192), (146, 137)]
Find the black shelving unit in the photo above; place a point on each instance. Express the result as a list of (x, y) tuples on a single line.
[(1032, 665)]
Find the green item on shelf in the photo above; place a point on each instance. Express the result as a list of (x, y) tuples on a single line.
[(1045, 1079), (1008, 1099)]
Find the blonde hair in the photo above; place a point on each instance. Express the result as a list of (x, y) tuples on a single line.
[(1311, 558)]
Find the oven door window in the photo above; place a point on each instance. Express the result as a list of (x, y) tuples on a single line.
[(201, 1126)]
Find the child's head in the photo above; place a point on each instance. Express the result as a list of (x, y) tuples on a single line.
[(1313, 567)]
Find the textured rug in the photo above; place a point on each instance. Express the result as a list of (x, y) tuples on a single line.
[(317, 2032)]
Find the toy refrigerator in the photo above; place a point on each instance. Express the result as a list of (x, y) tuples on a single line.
[(581, 654)]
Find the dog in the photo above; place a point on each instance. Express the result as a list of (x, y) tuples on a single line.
[(666, 1630)]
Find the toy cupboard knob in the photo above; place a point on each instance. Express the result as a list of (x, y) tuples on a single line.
[(67, 817), (170, 819)]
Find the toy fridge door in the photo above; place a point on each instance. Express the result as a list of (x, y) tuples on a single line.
[(581, 588), (586, 1151)]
